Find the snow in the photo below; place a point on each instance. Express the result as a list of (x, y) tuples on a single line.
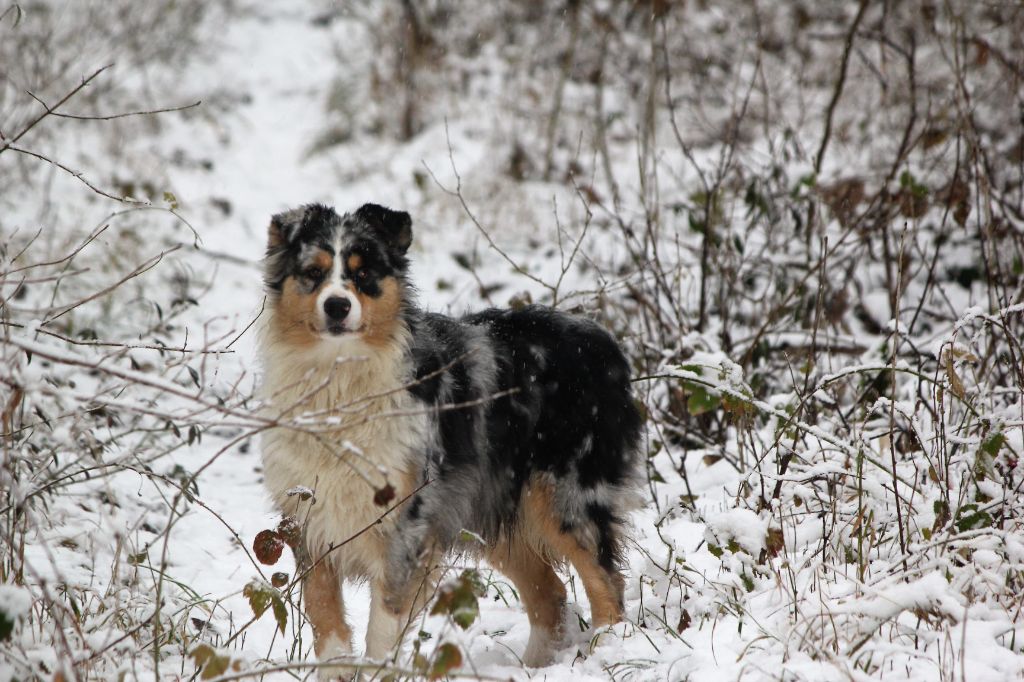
[(15, 601), (740, 525), (842, 599)]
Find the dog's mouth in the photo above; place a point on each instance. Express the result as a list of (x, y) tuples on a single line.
[(337, 330)]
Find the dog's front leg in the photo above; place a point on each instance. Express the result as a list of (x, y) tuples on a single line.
[(386, 627), (325, 608), (398, 598), (407, 549)]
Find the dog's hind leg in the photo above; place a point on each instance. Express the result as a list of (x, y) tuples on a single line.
[(591, 551), (605, 587), (541, 591)]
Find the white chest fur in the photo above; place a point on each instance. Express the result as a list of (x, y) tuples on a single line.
[(351, 429)]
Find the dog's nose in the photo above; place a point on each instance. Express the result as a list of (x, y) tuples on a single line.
[(337, 307)]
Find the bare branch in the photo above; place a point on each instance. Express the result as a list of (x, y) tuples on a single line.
[(111, 117)]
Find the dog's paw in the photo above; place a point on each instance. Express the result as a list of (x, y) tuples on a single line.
[(336, 673), (395, 590), (540, 650), (394, 598), (330, 651)]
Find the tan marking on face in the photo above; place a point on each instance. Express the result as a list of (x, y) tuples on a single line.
[(541, 526), (295, 315), (323, 260), (380, 313), (355, 261)]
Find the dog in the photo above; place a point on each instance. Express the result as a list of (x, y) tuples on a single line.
[(517, 426)]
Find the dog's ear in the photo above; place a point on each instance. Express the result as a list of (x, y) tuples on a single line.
[(286, 227), (394, 226), (276, 236)]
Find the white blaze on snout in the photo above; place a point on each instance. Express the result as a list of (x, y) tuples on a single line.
[(336, 286)]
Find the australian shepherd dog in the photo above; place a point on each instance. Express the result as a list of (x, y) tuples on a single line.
[(509, 433)]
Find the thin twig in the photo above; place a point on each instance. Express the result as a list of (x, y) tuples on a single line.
[(111, 117), (77, 175), (49, 110)]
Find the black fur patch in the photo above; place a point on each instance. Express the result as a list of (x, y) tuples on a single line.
[(568, 413)]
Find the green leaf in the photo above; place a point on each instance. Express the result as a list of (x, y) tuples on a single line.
[(202, 653), (215, 667), (280, 611), (467, 536), (6, 626), (171, 200), (735, 406), (446, 658), (942, 516), (259, 595), (460, 599), (715, 550), (972, 521), (992, 444), (212, 663), (700, 401)]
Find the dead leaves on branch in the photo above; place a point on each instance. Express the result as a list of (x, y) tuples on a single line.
[(269, 544)]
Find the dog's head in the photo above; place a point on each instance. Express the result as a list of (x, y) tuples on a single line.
[(332, 277)]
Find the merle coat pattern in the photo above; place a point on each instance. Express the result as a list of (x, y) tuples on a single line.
[(516, 425)]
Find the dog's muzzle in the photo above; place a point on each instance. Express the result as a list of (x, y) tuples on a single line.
[(336, 309)]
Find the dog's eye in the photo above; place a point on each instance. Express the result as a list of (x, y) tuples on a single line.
[(313, 273), (362, 274)]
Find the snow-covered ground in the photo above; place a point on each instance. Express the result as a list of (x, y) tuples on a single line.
[(717, 589)]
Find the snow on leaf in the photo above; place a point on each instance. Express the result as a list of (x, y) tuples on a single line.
[(15, 603), (741, 526), (290, 530), (301, 491), (261, 596)]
